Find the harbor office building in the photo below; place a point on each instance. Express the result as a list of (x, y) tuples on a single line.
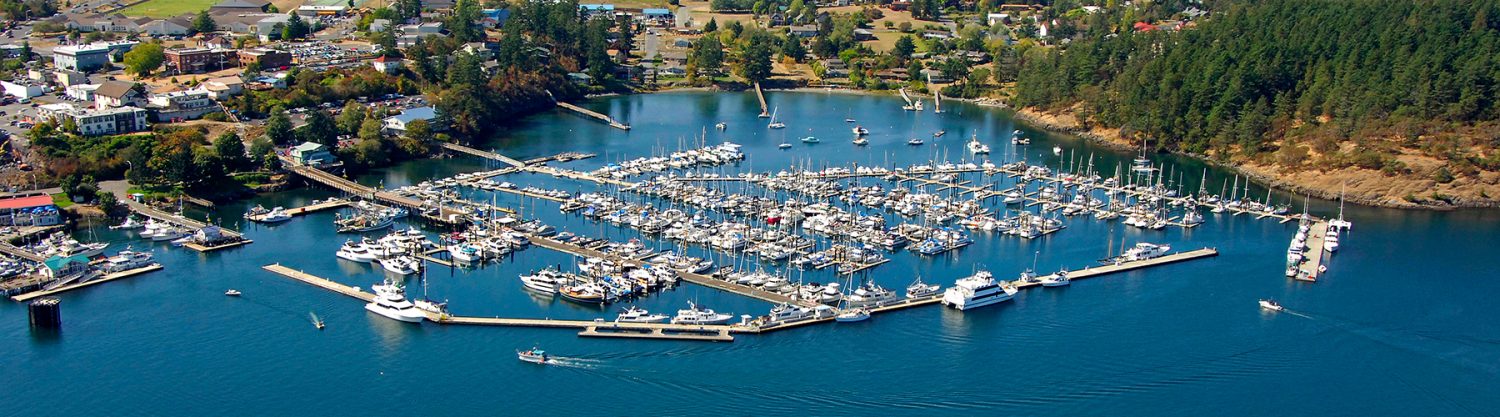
[(31, 210)]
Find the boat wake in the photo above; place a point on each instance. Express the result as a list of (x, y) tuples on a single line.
[(1456, 351)]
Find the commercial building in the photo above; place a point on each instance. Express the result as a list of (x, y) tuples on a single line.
[(266, 58), (88, 57), (22, 88), (31, 210), (181, 105), (397, 124), (199, 60), (98, 122)]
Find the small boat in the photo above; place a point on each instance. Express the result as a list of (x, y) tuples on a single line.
[(850, 316), (640, 315), (232, 293), (276, 215), (860, 131), (915, 142), (535, 355), (317, 322), (919, 289), (861, 141), (1057, 150), (811, 139), (976, 147), (848, 120), (784, 145), (1060, 279), (128, 224), (939, 133), (721, 126), (1271, 305)]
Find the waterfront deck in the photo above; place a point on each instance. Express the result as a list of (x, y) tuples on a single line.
[(89, 283)]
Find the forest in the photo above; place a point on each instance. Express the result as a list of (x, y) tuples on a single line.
[(1291, 82)]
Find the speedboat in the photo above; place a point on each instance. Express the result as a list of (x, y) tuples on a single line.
[(919, 289), (939, 133), (850, 316), (784, 145), (811, 139), (639, 315), (861, 141), (699, 315), (232, 293), (915, 142), (978, 290), (860, 131), (535, 355), (1271, 305), (390, 301)]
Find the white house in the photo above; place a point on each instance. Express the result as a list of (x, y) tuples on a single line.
[(386, 64), (397, 124), (81, 92), (223, 87), (182, 105), (117, 94)]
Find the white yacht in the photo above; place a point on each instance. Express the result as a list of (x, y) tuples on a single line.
[(1331, 240), (544, 281), (698, 315), (861, 141), (127, 260), (640, 315), (1059, 279), (1143, 251), (978, 290), (870, 294), (354, 252), (1271, 305), (786, 312), (390, 301), (919, 289), (276, 215), (401, 265), (976, 147)]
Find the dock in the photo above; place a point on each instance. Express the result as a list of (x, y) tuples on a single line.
[(445, 215), (1097, 271), (1312, 260), (233, 238), (16, 251), (590, 113), (92, 282), (765, 110), (308, 209)]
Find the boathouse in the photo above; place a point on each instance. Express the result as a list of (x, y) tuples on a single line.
[(31, 210)]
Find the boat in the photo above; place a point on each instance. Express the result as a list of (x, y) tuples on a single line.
[(811, 139), (1143, 251), (861, 141), (390, 301), (775, 124), (870, 294), (699, 315), (860, 131), (232, 293), (401, 265), (850, 316), (919, 289), (784, 312), (848, 120), (721, 126), (639, 315), (1331, 240), (1056, 150), (127, 260), (939, 133), (128, 224), (915, 142), (977, 290), (1059, 279), (276, 215), (584, 293), (543, 281), (534, 355), (354, 252), (978, 148), (317, 322), (255, 212), (1017, 139), (1271, 305), (365, 222)]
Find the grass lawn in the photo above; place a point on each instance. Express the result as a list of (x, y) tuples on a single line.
[(61, 200), (167, 8)]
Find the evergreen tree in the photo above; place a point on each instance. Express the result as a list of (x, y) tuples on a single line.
[(279, 127)]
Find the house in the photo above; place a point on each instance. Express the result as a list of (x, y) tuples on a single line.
[(379, 25), (60, 266), (88, 57), (267, 82), (477, 49), (223, 87), (385, 64), (240, 6), (211, 41), (307, 11), (22, 89), (117, 23), (30, 210), (313, 154), (81, 92), (682, 43), (935, 76), (494, 17), (863, 35), (658, 17), (179, 106), (936, 34), (674, 57), (175, 26), (199, 60), (804, 31), (397, 124), (241, 24), (117, 94), (591, 11), (997, 18), (265, 58)]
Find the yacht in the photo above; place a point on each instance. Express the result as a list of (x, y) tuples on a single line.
[(1271, 305), (978, 290), (919, 289), (915, 142), (870, 294), (128, 224), (811, 139), (850, 316), (698, 315), (127, 260), (401, 265), (1331, 240), (535, 355), (276, 215), (584, 293), (464, 253), (232, 293), (786, 312), (354, 252), (1143, 251), (1059, 279), (390, 301), (978, 148), (640, 315), (543, 281), (860, 131), (169, 234)]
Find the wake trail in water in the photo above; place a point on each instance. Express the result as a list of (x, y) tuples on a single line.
[(1409, 341)]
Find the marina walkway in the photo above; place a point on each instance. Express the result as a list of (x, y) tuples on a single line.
[(307, 209), (16, 251), (1312, 259), (446, 215), (95, 281), (765, 110), (590, 113)]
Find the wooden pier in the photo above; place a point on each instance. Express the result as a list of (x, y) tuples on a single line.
[(1312, 259), (16, 251), (590, 113), (765, 110), (445, 215), (308, 209), (234, 238), (92, 282)]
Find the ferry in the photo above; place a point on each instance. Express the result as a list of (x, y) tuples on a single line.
[(1271, 305), (640, 315), (390, 302), (976, 291), (698, 315), (535, 355)]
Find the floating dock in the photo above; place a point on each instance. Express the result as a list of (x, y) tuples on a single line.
[(95, 281), (308, 209), (234, 238), (1312, 261)]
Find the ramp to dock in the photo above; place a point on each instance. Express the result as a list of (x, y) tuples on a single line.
[(590, 113), (765, 110)]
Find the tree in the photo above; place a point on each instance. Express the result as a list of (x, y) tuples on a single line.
[(261, 149), (279, 127), (370, 130), (203, 23), (320, 128), (461, 24), (416, 141), (295, 28), (712, 26), (231, 151), (755, 58), (144, 58), (708, 55), (791, 47), (351, 117), (904, 48), (107, 200)]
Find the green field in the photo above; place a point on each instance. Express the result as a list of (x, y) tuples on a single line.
[(167, 8)]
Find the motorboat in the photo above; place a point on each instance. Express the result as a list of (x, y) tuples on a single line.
[(354, 252), (276, 215), (534, 355), (977, 290), (870, 294), (401, 265), (915, 142), (232, 293), (1271, 305), (784, 312), (811, 139), (1143, 251), (852, 315), (695, 314), (919, 289), (390, 301), (544, 281), (127, 260), (128, 224), (721, 126), (939, 133), (1017, 139), (1059, 279), (861, 141), (860, 131), (584, 293), (639, 315), (978, 148), (1057, 150)]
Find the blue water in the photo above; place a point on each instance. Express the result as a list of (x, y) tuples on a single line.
[(1403, 324)]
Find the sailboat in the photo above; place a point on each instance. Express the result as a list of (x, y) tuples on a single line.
[(775, 124)]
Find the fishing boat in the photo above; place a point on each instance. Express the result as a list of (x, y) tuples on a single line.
[(232, 293), (534, 355), (364, 222), (915, 142), (695, 314), (852, 315), (1271, 305), (919, 289), (639, 315), (775, 124)]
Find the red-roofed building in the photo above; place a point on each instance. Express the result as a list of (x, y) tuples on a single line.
[(31, 210), (1144, 27), (386, 64)]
